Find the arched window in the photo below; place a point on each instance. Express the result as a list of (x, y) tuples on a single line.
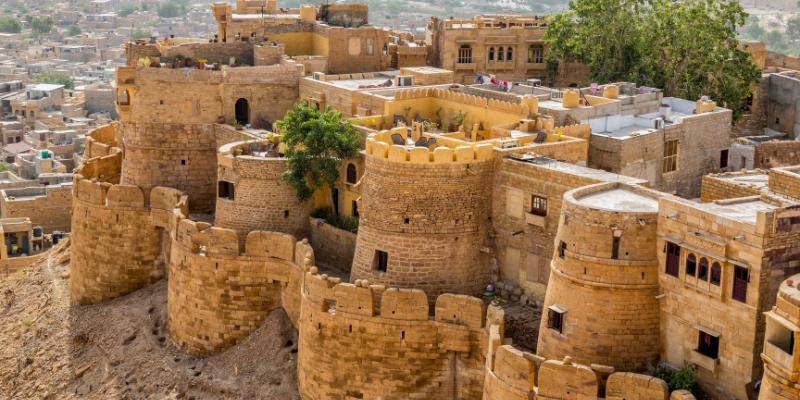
[(352, 177), (702, 274), (491, 53), (691, 265), (242, 111), (465, 54), (716, 274), (500, 54), (510, 54)]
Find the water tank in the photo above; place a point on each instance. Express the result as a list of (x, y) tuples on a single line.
[(37, 231)]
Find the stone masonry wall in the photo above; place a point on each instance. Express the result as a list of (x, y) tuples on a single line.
[(623, 331), (179, 156), (262, 200), (333, 247), (429, 212), (785, 181), (715, 187), (777, 153), (370, 342), (116, 249), (218, 295)]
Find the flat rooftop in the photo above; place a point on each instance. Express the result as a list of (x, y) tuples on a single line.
[(742, 210), (619, 199), (759, 179), (597, 174)]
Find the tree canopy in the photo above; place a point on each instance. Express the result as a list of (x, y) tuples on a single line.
[(9, 24), (56, 79), (317, 142), (41, 25), (688, 48), (170, 9)]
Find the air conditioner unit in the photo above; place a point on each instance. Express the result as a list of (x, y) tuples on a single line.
[(318, 76), (659, 123), (405, 81)]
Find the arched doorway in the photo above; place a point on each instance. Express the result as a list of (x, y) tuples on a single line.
[(242, 111)]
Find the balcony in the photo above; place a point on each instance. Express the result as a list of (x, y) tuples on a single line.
[(537, 220), (779, 356)]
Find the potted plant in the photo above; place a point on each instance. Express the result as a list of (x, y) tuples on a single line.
[(237, 125), (144, 61)]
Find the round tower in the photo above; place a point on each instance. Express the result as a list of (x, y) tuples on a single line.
[(601, 306), (423, 217), (781, 355), (251, 195)]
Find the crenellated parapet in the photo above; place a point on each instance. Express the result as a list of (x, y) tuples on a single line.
[(423, 217), (521, 108), (414, 350), (251, 192), (116, 248), (103, 141), (220, 292), (512, 374)]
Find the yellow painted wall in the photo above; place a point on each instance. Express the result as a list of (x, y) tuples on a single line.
[(426, 107), (302, 43)]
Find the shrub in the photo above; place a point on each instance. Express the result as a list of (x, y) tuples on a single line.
[(349, 224)]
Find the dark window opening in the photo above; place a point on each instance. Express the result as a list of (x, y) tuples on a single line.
[(242, 110), (673, 259), (335, 204), (226, 190), (355, 208), (615, 248), (708, 345), (491, 54), (702, 274), (510, 54), (691, 265), (406, 220), (562, 248), (183, 162), (723, 159), (740, 278), (381, 261), (539, 205), (716, 274), (352, 177), (555, 320), (285, 213)]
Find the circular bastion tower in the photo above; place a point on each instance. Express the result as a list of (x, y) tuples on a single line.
[(251, 195), (601, 306), (423, 217)]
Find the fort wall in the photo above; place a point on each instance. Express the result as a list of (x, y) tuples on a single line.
[(427, 213), (412, 351), (260, 200), (116, 248), (604, 256), (781, 378), (716, 187), (218, 295)]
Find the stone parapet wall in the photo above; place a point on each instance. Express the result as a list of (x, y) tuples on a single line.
[(781, 378), (519, 106), (585, 274), (102, 141), (430, 218), (777, 153), (116, 248), (217, 294), (716, 187), (512, 374), (333, 247), (261, 200), (412, 352), (785, 181)]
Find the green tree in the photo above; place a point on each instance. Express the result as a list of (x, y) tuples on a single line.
[(170, 9), (752, 28), (73, 30), (137, 34), (793, 29), (126, 10), (9, 24), (41, 25), (56, 79), (316, 142), (688, 48)]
